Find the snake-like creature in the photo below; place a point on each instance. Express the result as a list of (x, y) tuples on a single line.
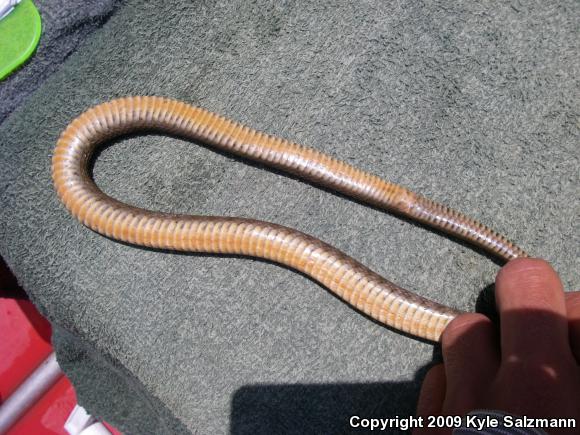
[(344, 276)]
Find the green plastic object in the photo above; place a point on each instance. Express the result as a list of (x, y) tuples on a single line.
[(19, 35)]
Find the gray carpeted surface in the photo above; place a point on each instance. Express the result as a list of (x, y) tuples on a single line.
[(473, 105), (65, 24)]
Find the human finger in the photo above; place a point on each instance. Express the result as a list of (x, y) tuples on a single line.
[(573, 311), (432, 392), (471, 355), (532, 310)]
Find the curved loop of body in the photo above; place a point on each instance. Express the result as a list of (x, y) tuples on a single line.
[(344, 276)]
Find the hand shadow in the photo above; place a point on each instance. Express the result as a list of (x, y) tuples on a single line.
[(320, 408)]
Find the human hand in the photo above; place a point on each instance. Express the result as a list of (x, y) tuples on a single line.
[(530, 368)]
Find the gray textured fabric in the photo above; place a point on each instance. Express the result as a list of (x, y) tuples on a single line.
[(65, 24), (474, 105)]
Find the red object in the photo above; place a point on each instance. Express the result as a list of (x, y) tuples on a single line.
[(49, 414), (24, 344)]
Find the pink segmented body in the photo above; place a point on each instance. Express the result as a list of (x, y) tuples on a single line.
[(344, 276)]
